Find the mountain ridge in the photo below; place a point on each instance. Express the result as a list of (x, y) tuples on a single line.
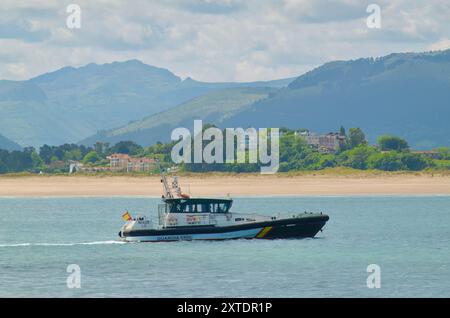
[(405, 94), (73, 103), (7, 144)]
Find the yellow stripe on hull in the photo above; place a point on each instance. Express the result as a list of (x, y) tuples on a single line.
[(264, 232)]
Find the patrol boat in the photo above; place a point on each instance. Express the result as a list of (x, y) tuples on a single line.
[(182, 218)]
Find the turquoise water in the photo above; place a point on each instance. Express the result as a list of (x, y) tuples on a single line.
[(408, 237)]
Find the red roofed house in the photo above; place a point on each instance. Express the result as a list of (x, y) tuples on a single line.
[(123, 162)]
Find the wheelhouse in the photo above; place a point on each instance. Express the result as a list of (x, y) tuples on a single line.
[(197, 205)]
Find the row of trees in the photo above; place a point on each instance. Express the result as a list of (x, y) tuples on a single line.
[(48, 157), (390, 153)]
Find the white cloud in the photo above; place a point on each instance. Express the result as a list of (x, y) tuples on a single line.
[(29, 4), (442, 44), (213, 40)]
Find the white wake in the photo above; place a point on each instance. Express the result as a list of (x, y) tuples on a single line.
[(63, 244)]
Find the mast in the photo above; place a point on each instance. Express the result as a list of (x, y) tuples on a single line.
[(170, 190), (167, 191)]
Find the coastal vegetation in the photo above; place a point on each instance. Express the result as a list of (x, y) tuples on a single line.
[(390, 153)]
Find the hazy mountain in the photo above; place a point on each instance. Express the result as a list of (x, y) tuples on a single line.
[(406, 94), (6, 144), (214, 107), (73, 103), (402, 94)]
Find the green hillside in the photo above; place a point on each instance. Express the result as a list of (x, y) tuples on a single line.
[(214, 107), (6, 144), (407, 95), (71, 104)]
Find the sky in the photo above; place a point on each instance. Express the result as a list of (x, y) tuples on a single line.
[(214, 40)]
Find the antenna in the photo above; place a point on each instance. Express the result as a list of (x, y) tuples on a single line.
[(176, 186), (167, 192)]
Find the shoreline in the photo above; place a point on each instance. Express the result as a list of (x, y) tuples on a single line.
[(223, 185)]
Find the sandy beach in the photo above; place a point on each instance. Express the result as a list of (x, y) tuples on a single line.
[(214, 185)]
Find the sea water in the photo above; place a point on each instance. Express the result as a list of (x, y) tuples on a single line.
[(408, 238)]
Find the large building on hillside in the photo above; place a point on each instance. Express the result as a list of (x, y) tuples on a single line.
[(328, 143)]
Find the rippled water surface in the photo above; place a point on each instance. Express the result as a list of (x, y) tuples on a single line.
[(408, 237)]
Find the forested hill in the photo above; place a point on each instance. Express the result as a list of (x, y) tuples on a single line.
[(7, 144), (407, 95)]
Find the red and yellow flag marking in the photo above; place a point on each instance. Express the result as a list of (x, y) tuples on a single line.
[(126, 216)]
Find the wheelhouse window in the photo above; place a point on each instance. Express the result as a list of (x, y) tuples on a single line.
[(223, 207), (198, 207)]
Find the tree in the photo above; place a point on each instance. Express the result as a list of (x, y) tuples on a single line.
[(327, 161), (74, 154), (63, 152), (101, 148), (91, 157), (3, 161), (389, 161), (293, 150), (311, 161), (46, 153), (18, 161), (37, 161), (356, 137), (285, 130), (443, 152), (388, 142), (414, 162), (357, 157), (342, 131), (126, 147)]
